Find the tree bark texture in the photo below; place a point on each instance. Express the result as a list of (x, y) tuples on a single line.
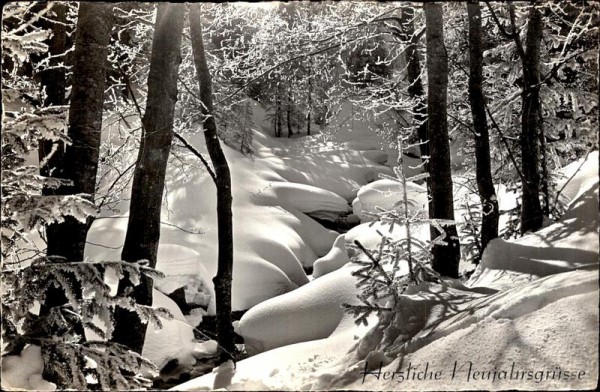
[(80, 161), (485, 184), (222, 280), (445, 257), (143, 229), (531, 210)]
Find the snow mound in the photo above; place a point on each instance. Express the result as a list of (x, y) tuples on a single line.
[(370, 234), (173, 340), (344, 179), (334, 260), (252, 272), (308, 313), (307, 198), (24, 371), (388, 194), (317, 237)]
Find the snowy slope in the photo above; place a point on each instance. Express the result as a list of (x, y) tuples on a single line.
[(531, 309), (571, 242), (274, 239)]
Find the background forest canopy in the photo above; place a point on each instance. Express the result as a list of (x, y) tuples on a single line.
[(513, 87)]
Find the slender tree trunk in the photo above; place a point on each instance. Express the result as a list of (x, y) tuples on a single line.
[(222, 280), (289, 113), (445, 257), (485, 183), (80, 161), (531, 210), (415, 87), (278, 113), (308, 115), (143, 229)]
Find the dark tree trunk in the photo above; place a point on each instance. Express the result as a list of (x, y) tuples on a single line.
[(289, 114), (278, 113), (53, 80), (308, 115), (485, 184), (415, 90), (531, 210), (445, 257), (143, 229), (222, 280), (80, 161), (415, 87)]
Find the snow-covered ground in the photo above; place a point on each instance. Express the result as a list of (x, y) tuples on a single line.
[(527, 319), (274, 238)]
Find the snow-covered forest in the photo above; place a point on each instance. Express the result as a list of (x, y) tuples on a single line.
[(300, 196)]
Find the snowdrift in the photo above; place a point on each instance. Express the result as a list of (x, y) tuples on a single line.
[(301, 315), (274, 238), (528, 319)]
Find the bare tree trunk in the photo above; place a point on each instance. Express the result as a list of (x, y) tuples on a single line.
[(415, 87), (531, 210), (485, 183), (415, 90), (308, 115), (143, 229), (222, 280), (80, 161), (278, 113), (289, 113), (445, 257)]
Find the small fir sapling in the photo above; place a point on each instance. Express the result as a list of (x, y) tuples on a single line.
[(383, 277)]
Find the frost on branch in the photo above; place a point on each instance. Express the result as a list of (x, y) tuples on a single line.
[(79, 363)]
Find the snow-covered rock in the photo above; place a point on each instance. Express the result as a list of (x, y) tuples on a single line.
[(182, 268), (370, 234), (254, 277), (311, 312), (174, 340), (317, 237), (388, 194), (536, 328), (307, 198), (334, 260)]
